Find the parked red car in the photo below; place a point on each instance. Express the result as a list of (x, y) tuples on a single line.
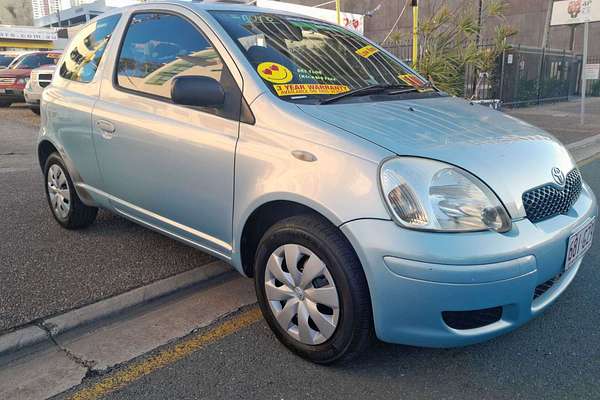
[(14, 79)]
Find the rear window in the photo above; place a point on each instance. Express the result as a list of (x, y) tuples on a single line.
[(85, 52)]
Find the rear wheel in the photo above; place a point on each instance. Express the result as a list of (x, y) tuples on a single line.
[(66, 206), (312, 290), (4, 104)]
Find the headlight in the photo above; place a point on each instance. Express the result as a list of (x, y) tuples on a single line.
[(22, 81), (431, 195)]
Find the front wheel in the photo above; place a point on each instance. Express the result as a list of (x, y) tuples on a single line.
[(312, 290)]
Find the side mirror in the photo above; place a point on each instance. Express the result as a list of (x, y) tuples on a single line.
[(199, 91)]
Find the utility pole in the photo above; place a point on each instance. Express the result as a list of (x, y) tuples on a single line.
[(479, 21), (415, 50), (547, 26), (572, 38), (544, 47), (337, 12), (476, 77)]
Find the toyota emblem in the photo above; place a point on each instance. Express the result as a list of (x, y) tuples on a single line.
[(558, 176)]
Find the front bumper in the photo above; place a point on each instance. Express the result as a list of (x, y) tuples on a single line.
[(417, 278), (12, 95), (32, 96)]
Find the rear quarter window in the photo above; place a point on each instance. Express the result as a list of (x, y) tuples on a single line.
[(85, 52)]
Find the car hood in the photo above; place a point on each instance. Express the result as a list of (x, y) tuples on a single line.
[(15, 73), (46, 69), (509, 155)]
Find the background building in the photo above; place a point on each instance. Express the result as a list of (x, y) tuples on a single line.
[(41, 8), (13, 37), (76, 12)]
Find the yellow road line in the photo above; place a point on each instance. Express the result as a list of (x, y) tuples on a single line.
[(168, 356)]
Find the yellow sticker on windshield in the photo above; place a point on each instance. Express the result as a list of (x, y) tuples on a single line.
[(275, 73), (367, 51), (306, 89)]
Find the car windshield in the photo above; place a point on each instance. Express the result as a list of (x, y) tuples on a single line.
[(5, 60), (303, 59), (32, 61)]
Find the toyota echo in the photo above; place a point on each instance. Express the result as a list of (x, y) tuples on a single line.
[(362, 200)]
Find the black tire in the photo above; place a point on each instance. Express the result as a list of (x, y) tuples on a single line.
[(4, 104), (79, 215), (354, 331), (35, 110)]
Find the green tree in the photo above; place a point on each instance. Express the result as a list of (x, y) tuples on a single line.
[(449, 42)]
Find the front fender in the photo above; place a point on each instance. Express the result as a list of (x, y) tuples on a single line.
[(338, 185)]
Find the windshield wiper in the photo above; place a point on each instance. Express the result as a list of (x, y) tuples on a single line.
[(371, 89), (361, 92)]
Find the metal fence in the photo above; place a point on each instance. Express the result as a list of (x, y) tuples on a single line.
[(530, 76), (523, 75), (402, 50)]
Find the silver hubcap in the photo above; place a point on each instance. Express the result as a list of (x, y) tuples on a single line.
[(58, 189), (302, 294)]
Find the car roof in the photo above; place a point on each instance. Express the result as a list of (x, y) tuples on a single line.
[(207, 6)]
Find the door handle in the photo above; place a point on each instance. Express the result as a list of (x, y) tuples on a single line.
[(107, 128)]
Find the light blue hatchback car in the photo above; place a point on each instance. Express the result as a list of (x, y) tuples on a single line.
[(361, 199)]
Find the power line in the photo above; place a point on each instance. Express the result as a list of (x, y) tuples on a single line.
[(397, 20)]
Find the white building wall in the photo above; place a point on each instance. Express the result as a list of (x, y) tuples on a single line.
[(42, 8)]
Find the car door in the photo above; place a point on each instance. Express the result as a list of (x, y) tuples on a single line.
[(69, 101), (166, 165)]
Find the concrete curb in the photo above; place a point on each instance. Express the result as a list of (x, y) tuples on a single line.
[(33, 335), (22, 338), (585, 149)]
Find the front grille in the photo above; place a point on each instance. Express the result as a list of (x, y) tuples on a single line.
[(472, 319), (7, 81), (45, 77), (544, 287), (548, 201)]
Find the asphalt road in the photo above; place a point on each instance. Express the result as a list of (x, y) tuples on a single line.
[(45, 269), (563, 119), (555, 356)]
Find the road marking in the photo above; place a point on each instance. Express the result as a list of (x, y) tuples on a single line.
[(168, 356)]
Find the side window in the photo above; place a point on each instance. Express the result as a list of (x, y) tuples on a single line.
[(85, 52), (159, 47)]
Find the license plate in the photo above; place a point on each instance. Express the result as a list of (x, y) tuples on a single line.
[(579, 243)]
